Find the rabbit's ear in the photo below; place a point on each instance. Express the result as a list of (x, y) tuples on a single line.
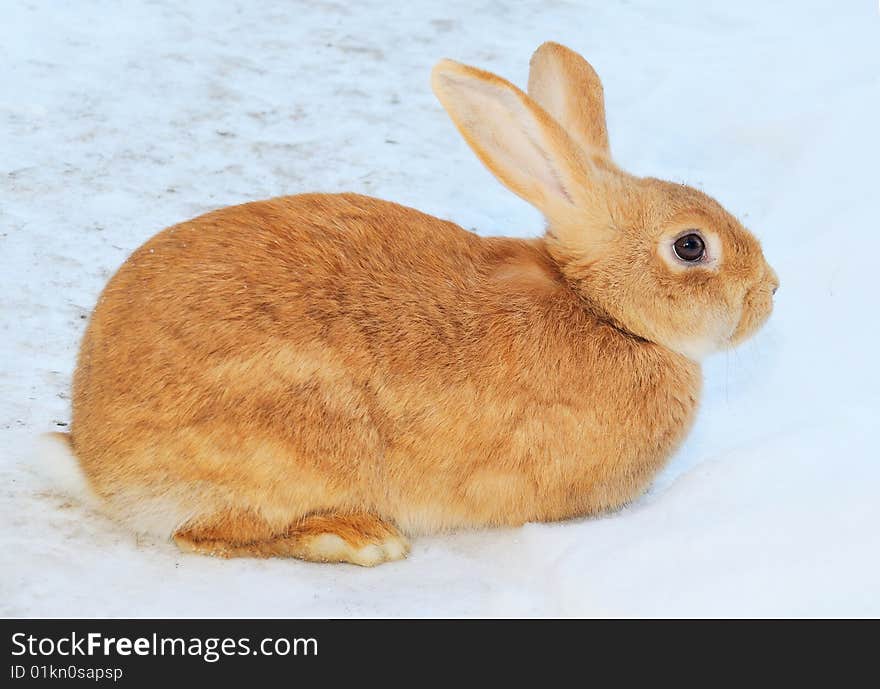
[(567, 87), (525, 148)]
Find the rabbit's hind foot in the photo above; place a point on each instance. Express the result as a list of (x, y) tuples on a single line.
[(358, 538)]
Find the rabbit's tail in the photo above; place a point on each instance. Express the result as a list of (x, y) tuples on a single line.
[(156, 511), (57, 464)]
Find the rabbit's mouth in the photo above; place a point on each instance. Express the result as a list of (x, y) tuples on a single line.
[(756, 309)]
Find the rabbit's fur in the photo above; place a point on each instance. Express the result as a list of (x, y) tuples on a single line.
[(320, 375)]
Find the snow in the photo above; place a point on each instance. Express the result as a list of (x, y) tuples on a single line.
[(118, 119)]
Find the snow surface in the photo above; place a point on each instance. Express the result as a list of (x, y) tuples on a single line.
[(118, 119)]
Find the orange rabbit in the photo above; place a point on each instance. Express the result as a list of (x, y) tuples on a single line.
[(321, 376)]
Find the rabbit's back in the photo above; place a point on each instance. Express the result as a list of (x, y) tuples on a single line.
[(339, 280)]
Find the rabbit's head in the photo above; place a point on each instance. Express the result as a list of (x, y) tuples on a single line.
[(663, 261)]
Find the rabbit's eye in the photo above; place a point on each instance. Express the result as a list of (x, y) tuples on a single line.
[(690, 247)]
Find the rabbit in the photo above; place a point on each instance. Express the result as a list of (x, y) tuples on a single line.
[(325, 376)]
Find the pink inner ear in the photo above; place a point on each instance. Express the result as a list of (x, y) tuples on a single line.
[(506, 133)]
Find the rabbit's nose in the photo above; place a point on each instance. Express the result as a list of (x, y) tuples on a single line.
[(773, 278)]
